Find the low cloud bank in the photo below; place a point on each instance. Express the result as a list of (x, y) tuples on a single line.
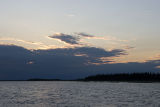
[(64, 63)]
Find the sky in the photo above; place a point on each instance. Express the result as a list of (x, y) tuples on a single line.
[(102, 33)]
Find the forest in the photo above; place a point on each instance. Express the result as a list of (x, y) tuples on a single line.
[(125, 77)]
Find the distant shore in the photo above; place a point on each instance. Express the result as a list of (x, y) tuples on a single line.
[(122, 77)]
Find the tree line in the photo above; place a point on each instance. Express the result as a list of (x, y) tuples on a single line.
[(128, 77)]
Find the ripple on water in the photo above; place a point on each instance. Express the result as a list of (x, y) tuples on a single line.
[(79, 94)]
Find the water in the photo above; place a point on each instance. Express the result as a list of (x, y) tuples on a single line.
[(79, 94)]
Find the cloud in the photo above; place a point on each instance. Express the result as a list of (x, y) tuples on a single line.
[(80, 39), (129, 47), (84, 34), (64, 63), (73, 39), (39, 44), (90, 54), (108, 38), (20, 63), (19, 40), (70, 39)]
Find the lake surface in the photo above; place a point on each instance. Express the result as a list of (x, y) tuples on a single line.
[(79, 94)]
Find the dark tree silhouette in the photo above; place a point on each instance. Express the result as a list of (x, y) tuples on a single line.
[(136, 77)]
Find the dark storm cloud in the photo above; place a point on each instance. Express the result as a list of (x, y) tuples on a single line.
[(70, 39), (89, 54), (64, 63)]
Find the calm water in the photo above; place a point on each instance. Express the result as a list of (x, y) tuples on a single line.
[(79, 94)]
